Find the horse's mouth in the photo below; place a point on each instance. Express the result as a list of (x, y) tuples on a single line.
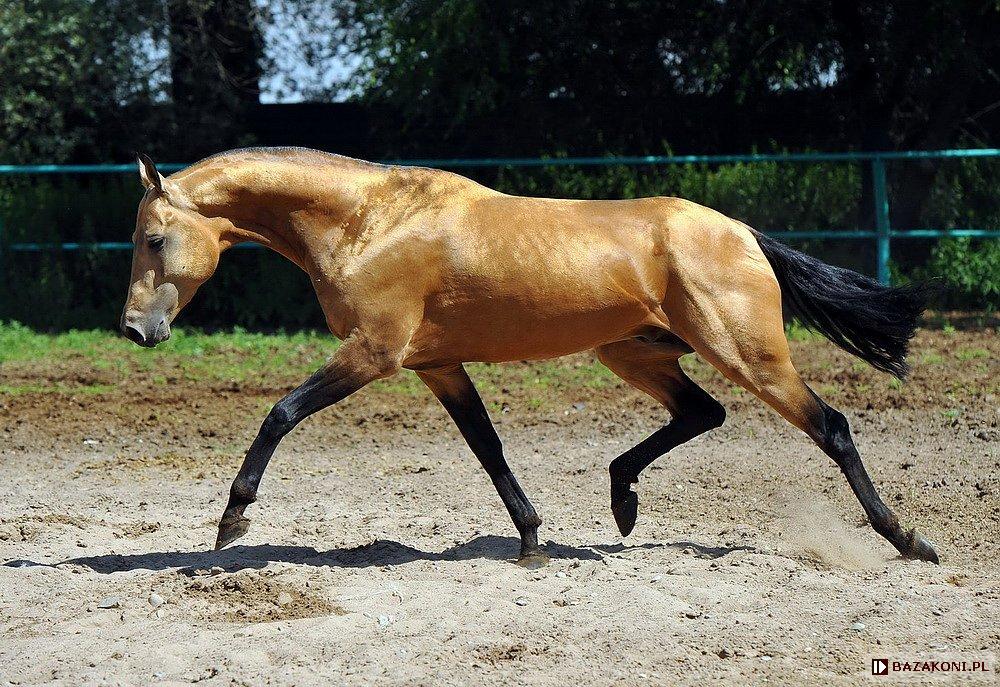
[(136, 332)]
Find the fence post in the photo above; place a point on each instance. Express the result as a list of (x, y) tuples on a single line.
[(3, 283), (883, 230)]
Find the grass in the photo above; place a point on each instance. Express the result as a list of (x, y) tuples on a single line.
[(932, 359), (86, 389), (966, 354), (274, 359), (236, 355), (795, 331), (286, 359), (243, 356)]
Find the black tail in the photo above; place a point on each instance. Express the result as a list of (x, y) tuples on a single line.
[(872, 321)]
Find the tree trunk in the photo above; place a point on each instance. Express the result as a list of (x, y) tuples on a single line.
[(216, 49)]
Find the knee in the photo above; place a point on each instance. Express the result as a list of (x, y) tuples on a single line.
[(278, 422)]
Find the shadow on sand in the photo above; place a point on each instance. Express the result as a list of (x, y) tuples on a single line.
[(378, 553)]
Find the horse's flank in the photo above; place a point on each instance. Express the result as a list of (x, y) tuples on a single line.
[(465, 272)]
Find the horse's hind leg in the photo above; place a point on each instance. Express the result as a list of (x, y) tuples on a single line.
[(458, 395), (833, 435), (654, 369), (744, 339)]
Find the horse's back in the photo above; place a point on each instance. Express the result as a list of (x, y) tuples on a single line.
[(646, 243)]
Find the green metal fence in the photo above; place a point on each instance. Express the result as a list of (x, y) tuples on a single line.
[(882, 235)]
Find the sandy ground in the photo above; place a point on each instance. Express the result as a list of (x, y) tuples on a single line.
[(379, 552)]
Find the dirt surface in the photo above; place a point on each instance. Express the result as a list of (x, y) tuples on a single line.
[(379, 552)]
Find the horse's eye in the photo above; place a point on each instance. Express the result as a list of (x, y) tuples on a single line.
[(155, 242)]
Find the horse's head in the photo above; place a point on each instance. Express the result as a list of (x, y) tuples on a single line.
[(176, 251)]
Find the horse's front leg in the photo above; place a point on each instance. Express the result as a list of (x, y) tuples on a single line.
[(458, 395), (356, 363)]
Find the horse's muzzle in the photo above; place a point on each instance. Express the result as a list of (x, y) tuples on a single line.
[(145, 332)]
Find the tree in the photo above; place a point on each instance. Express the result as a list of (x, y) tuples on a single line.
[(69, 74), (591, 76), (903, 75), (92, 80), (916, 77), (216, 63), (608, 74)]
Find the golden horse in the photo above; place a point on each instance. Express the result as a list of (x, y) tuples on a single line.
[(426, 270)]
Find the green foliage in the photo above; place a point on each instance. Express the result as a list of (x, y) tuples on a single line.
[(69, 66), (252, 288), (968, 270), (71, 289), (594, 73), (964, 195), (54, 290), (768, 196), (608, 74), (93, 80)]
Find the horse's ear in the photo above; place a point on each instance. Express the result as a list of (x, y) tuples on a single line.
[(151, 179)]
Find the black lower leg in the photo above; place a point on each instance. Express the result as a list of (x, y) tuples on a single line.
[(522, 513), (700, 413), (331, 384), (835, 440), (243, 491), (474, 423), (459, 397)]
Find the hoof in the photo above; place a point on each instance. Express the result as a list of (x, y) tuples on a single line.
[(918, 548), (230, 530), (533, 560), (625, 511)]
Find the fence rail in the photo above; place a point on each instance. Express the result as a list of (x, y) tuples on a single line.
[(883, 234)]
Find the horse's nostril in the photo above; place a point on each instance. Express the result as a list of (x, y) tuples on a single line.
[(133, 334)]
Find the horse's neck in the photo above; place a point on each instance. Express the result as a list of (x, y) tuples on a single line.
[(286, 212)]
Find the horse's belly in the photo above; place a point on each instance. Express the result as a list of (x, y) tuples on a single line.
[(498, 330)]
